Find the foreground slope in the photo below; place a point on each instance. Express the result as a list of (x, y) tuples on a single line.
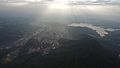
[(82, 53)]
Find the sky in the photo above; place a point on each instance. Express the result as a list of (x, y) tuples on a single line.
[(66, 0)]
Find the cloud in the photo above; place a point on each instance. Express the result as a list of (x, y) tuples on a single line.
[(101, 31), (62, 0)]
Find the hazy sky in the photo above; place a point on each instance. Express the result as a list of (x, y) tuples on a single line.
[(66, 0)]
